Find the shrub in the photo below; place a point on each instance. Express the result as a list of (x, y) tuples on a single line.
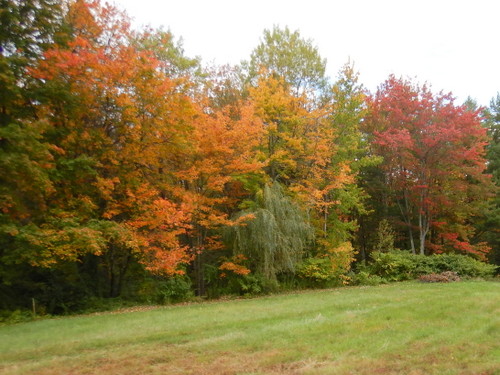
[(316, 270), (402, 265), (16, 316), (224, 281), (365, 278), (175, 289), (327, 269), (385, 237), (319, 272), (166, 290), (393, 266)]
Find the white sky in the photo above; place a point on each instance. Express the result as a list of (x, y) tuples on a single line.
[(452, 44)]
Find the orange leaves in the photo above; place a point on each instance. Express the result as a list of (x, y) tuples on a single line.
[(234, 265), (159, 261), (164, 161), (224, 146), (158, 225), (223, 149)]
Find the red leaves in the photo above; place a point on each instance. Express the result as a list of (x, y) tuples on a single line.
[(432, 151)]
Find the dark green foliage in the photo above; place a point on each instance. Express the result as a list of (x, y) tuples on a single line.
[(167, 290), (402, 265), (488, 225), (493, 149), (27, 26), (58, 290), (239, 285)]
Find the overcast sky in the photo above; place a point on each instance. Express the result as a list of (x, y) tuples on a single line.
[(453, 45)]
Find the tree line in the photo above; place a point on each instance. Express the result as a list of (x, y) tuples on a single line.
[(129, 169)]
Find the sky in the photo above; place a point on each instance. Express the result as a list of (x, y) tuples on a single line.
[(452, 45)]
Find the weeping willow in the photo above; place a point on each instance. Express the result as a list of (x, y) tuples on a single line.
[(277, 238)]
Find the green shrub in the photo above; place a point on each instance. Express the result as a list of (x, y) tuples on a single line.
[(463, 265), (365, 278), (253, 284), (223, 283), (16, 316), (165, 290), (393, 266), (173, 290), (401, 265), (320, 272)]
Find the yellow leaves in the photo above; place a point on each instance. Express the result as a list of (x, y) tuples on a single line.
[(309, 148), (342, 255), (107, 186)]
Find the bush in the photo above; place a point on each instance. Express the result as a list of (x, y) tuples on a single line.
[(175, 289), (365, 278), (402, 265), (327, 269), (166, 290), (393, 266), (253, 284), (16, 316), (320, 272), (221, 282)]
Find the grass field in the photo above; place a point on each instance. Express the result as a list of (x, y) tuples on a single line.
[(404, 328)]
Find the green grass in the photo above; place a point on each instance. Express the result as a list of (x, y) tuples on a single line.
[(404, 328)]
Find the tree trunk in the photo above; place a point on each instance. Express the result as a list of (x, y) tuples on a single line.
[(423, 222), (199, 268), (407, 219), (412, 243), (200, 275)]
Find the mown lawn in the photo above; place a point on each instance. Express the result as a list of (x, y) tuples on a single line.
[(404, 328)]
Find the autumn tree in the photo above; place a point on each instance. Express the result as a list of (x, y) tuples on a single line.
[(110, 148), (433, 163), (341, 199), (222, 155), (311, 131)]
